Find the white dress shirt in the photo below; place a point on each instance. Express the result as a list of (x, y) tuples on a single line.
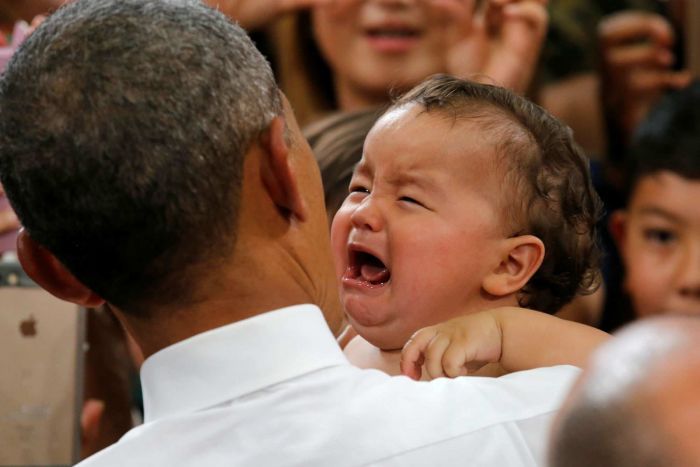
[(276, 389)]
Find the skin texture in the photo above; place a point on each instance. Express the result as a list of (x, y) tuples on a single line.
[(431, 215), (659, 238), (636, 403), (515, 339), (676, 406), (362, 70), (499, 43)]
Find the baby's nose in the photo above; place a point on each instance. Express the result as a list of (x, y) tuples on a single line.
[(368, 216)]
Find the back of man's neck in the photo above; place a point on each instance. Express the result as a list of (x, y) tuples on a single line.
[(167, 328), (235, 295)]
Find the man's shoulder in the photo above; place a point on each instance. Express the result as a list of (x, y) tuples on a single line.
[(514, 396), (496, 421), (345, 416)]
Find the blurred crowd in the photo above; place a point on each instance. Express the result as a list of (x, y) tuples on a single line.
[(616, 73)]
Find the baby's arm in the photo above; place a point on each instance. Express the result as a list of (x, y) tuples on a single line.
[(516, 338)]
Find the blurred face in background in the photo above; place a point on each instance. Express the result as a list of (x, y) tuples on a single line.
[(659, 239), (378, 46)]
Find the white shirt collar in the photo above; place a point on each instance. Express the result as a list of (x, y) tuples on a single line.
[(237, 359)]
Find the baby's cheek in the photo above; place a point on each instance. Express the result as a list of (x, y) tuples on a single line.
[(425, 306), (339, 235), (416, 317)]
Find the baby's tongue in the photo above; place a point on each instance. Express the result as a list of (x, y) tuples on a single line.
[(374, 274)]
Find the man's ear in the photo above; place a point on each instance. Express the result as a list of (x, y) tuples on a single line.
[(47, 271), (521, 258), (278, 173), (617, 225)]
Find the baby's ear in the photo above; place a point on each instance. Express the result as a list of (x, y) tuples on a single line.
[(520, 258)]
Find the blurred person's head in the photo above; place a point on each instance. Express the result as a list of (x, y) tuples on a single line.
[(636, 404), (658, 233), (467, 197), (143, 146), (374, 46), (355, 54)]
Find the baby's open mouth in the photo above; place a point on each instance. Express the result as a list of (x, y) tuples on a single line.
[(367, 268)]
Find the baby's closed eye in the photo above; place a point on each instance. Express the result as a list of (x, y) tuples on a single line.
[(358, 189), (408, 199)]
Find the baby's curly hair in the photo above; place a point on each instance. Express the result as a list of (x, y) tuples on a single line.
[(552, 196)]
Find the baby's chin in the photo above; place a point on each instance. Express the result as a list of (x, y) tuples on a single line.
[(386, 335), (380, 321)]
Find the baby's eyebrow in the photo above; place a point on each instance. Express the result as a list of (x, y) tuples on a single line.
[(404, 178), (361, 168)]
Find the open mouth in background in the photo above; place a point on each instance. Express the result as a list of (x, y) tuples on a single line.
[(393, 39)]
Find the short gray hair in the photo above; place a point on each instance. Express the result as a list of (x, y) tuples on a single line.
[(123, 129)]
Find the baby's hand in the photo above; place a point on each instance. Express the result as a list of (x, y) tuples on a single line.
[(454, 348)]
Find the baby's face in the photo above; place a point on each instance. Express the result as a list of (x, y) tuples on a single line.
[(659, 239), (419, 229)]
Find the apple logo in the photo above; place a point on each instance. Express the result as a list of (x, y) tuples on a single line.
[(28, 327)]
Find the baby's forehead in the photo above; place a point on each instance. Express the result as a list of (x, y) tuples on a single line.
[(408, 117), (410, 137)]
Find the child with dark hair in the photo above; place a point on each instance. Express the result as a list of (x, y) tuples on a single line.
[(658, 233), (468, 197)]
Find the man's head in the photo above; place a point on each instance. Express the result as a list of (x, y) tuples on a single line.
[(124, 157), (637, 403), (658, 233), (126, 134), (461, 190)]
